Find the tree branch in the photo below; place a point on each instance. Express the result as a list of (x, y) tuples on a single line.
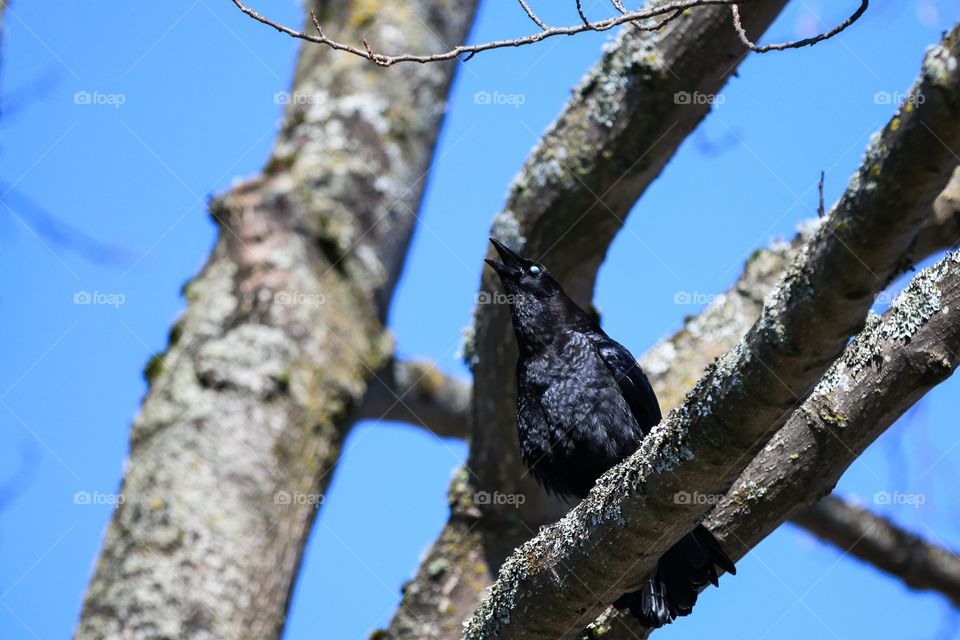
[(667, 12), (530, 14), (419, 394), (552, 582), (806, 42), (718, 328), (884, 545)]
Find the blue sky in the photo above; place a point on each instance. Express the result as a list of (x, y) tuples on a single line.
[(184, 105)]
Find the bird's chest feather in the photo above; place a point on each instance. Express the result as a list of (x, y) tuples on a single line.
[(570, 416)]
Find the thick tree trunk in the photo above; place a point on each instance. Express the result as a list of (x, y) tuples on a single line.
[(248, 407)]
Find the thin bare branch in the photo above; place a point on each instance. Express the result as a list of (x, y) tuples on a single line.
[(821, 211), (796, 44), (526, 7), (583, 17), (671, 11), (37, 220)]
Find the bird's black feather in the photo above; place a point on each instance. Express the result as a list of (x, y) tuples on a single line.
[(584, 405), (633, 383)]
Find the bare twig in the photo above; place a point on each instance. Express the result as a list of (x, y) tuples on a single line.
[(526, 7), (796, 44), (671, 11), (820, 208), (618, 5), (583, 17)]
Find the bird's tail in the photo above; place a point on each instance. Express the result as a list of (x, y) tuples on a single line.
[(683, 571)]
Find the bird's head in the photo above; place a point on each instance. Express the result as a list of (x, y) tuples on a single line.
[(525, 281), (538, 304)]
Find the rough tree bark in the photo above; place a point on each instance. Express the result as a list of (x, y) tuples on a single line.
[(249, 405), (612, 539)]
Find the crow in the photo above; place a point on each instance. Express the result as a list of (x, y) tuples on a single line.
[(584, 405)]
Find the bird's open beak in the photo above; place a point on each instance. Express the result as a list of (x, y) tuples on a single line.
[(512, 265)]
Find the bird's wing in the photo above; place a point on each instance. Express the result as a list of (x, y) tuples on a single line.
[(634, 386)]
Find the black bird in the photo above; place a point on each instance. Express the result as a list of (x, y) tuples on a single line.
[(584, 405)]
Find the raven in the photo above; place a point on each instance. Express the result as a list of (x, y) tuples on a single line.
[(584, 405)]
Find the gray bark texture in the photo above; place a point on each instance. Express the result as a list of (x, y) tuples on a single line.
[(561, 578), (248, 407)]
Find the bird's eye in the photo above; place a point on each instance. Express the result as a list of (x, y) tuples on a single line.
[(535, 269)]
